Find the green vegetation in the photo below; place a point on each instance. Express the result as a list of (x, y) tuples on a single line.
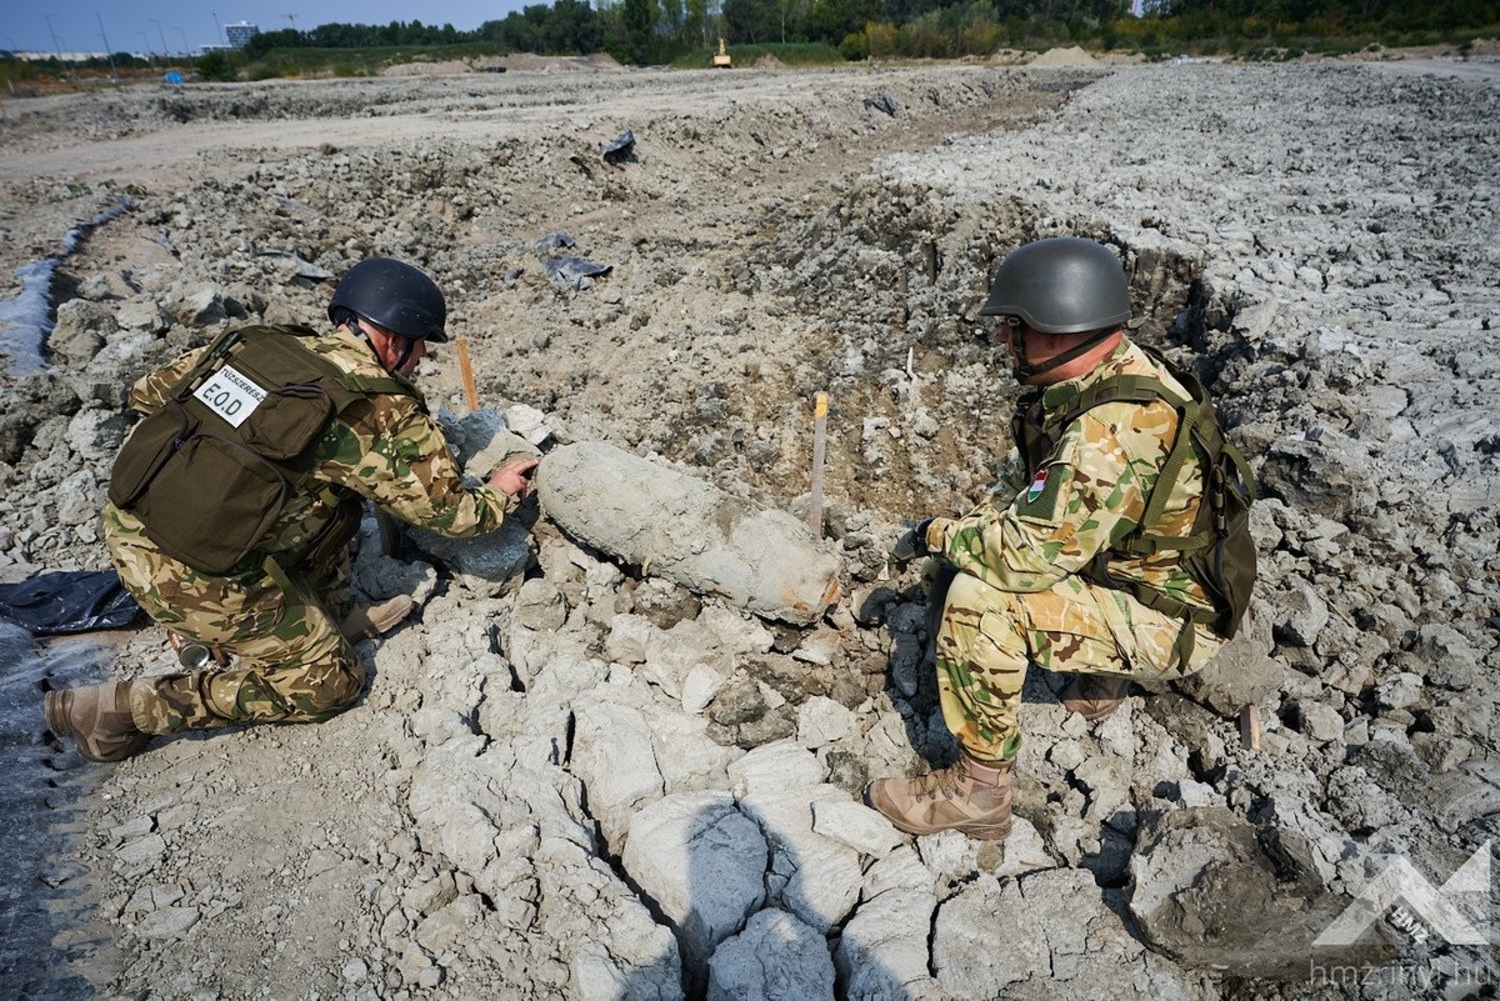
[(568, 27), (351, 62), (216, 66), (685, 33), (17, 77)]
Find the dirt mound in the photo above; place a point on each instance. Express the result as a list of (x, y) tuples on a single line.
[(1071, 56), (527, 62), (446, 67)]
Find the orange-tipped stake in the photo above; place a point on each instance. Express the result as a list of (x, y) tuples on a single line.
[(820, 431), (468, 374)]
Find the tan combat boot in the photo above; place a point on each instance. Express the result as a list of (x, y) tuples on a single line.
[(369, 621), (98, 719), (969, 796), (1094, 696)]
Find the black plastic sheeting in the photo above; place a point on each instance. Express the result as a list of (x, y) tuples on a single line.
[(68, 601), (573, 272), (621, 149), (553, 242), (882, 102)]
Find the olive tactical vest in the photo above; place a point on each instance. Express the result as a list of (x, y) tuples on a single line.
[(1219, 552), (210, 472)]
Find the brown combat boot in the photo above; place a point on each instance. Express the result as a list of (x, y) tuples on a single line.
[(1094, 696), (98, 719), (369, 621), (969, 796)]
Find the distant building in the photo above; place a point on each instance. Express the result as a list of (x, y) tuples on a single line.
[(65, 57), (239, 33)]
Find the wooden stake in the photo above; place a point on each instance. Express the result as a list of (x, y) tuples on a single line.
[(468, 374), (1250, 727), (820, 430)]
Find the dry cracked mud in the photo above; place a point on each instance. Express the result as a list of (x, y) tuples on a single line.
[(596, 784)]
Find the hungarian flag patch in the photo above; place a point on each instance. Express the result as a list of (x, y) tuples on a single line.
[(1037, 486)]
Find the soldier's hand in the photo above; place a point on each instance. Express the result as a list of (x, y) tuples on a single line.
[(911, 543), (514, 477)]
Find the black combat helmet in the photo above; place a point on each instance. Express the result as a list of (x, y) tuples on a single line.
[(394, 295)]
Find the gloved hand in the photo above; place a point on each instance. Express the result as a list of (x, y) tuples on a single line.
[(911, 543)]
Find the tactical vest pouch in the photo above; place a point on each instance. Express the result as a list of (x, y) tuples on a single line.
[(205, 499), (240, 496), (1226, 568), (154, 441), (209, 493), (288, 420)]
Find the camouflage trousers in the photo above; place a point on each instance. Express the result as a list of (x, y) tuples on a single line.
[(985, 638), (294, 666)]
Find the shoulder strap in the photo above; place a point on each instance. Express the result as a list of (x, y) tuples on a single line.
[(213, 356), (221, 347), (1198, 436), (227, 343), (1192, 426), (377, 384), (1139, 389)]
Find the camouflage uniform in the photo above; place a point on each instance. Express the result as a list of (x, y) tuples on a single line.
[(1017, 599), (282, 625)]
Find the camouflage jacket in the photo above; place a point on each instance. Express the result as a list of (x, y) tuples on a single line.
[(385, 448), (1042, 524)]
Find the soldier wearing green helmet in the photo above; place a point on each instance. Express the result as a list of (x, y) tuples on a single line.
[(1117, 546), (233, 503)]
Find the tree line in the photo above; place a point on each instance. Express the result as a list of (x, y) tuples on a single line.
[(1332, 17), (567, 27), (663, 31), (659, 31)]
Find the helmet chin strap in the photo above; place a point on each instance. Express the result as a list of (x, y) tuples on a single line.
[(400, 365), (354, 327), (1024, 371)]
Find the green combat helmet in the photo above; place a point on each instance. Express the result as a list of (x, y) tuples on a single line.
[(1063, 285)]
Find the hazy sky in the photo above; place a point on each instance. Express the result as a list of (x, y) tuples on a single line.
[(143, 25)]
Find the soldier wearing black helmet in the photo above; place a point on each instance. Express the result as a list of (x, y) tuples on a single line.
[(1116, 547), (233, 503), (394, 308)]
